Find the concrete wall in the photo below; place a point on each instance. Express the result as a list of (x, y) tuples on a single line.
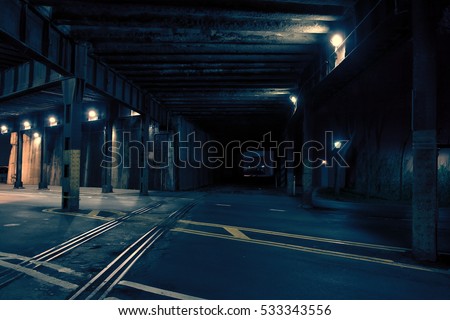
[(31, 159), (374, 112)]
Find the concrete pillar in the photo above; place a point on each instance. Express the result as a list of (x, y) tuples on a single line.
[(73, 91), (18, 184), (111, 114), (290, 177), (144, 168), (307, 176), (424, 202), (43, 184)]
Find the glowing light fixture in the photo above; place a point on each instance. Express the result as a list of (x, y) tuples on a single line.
[(27, 125), (134, 113), (293, 99), (92, 115), (338, 144), (36, 135), (52, 121), (4, 129), (337, 40)]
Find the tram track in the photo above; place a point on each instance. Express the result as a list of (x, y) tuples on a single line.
[(8, 276), (103, 283)]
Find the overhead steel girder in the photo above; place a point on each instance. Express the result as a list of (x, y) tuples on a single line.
[(29, 77), (27, 30)]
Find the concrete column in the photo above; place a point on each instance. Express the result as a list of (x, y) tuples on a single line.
[(18, 184), (424, 202), (73, 91), (111, 114), (43, 184), (307, 177), (290, 178), (145, 137)]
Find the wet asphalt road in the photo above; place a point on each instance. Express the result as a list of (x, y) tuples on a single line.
[(235, 243)]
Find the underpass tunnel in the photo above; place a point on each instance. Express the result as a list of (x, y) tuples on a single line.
[(300, 97)]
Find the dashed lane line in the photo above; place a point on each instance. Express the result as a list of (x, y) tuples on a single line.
[(39, 276), (300, 236), (160, 292), (277, 210), (313, 250), (223, 205)]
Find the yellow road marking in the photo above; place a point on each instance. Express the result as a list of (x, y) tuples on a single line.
[(312, 250), (157, 291), (93, 213), (236, 233), (300, 236), (39, 276)]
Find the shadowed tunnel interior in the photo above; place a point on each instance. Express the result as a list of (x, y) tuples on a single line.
[(369, 77)]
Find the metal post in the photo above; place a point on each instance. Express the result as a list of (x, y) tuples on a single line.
[(18, 184), (43, 184), (73, 90), (107, 137), (424, 202)]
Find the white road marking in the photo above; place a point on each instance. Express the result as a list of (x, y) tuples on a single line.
[(11, 225), (223, 205), (39, 276), (61, 269), (277, 210), (157, 291)]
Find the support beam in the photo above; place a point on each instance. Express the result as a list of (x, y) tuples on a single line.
[(18, 184), (29, 31), (43, 181), (111, 115), (27, 78), (73, 90), (307, 176), (424, 202), (144, 169)]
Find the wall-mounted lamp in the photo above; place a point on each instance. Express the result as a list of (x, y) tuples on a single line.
[(92, 115), (26, 125), (293, 99), (337, 40), (134, 113), (52, 121), (4, 129)]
